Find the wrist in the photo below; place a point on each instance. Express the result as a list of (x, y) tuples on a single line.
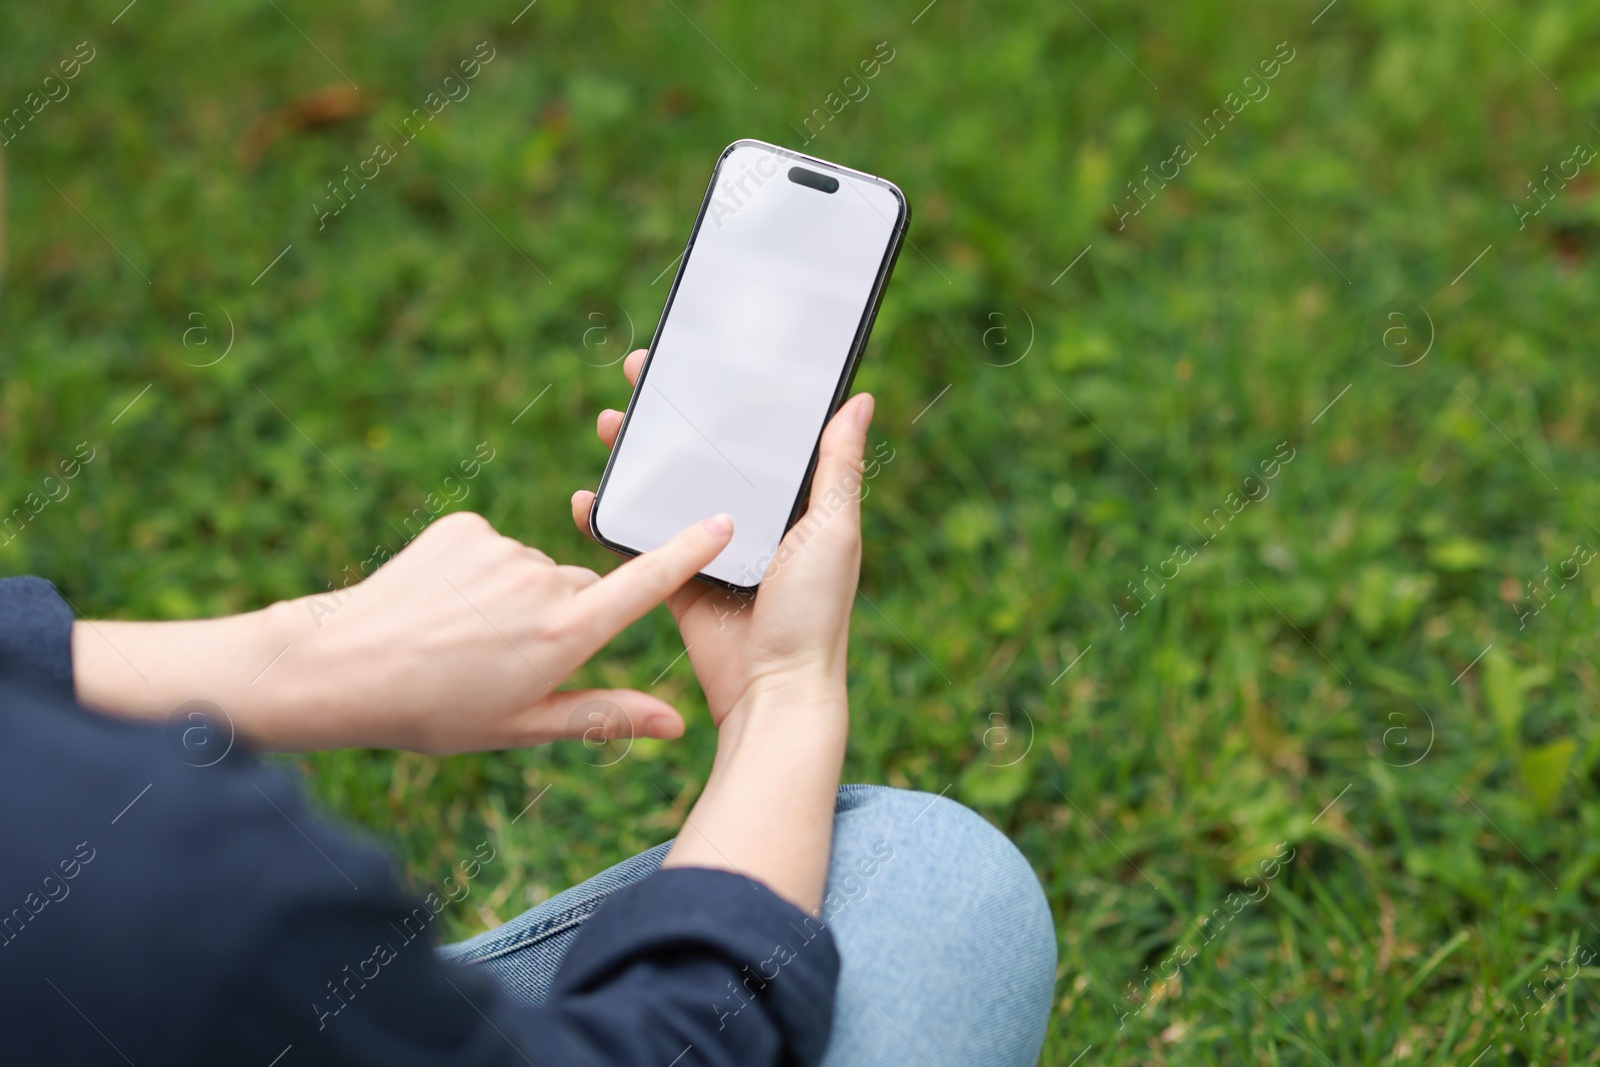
[(806, 709), (790, 688), (252, 675), (296, 698)]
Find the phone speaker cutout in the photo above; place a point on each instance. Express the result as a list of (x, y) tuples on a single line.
[(811, 179)]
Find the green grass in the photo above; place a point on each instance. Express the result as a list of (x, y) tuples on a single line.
[(1318, 648)]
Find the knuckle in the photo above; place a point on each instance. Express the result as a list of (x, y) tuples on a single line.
[(463, 521), (549, 628), (515, 547)]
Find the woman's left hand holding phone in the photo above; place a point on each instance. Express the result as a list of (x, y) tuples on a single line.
[(456, 644)]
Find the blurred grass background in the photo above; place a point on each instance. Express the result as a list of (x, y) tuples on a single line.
[(1316, 675)]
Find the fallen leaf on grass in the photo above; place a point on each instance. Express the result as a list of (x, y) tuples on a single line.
[(310, 111)]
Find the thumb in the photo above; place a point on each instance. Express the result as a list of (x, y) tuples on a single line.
[(601, 718), (836, 487)]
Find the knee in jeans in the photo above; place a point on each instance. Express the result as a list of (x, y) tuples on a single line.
[(975, 875)]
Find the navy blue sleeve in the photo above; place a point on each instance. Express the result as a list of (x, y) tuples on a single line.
[(205, 915), (36, 633), (727, 966)]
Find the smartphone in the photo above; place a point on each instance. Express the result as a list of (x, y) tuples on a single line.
[(763, 329)]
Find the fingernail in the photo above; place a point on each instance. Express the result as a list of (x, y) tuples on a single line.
[(719, 525), (864, 408)]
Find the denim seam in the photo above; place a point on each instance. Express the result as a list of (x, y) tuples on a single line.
[(543, 934)]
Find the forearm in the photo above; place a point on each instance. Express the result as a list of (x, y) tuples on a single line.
[(148, 669), (767, 809)]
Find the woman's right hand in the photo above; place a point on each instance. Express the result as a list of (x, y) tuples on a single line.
[(789, 642)]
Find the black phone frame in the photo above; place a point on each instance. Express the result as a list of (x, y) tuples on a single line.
[(852, 361)]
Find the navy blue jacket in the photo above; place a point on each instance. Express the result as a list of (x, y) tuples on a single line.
[(154, 912)]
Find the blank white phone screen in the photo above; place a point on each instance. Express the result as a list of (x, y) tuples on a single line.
[(748, 358)]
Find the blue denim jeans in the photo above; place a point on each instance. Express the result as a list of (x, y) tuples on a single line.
[(949, 953)]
